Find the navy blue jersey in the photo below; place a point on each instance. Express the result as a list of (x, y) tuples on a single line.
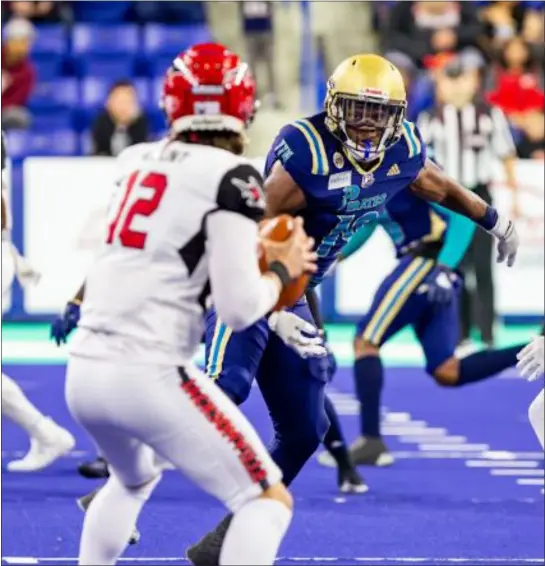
[(341, 195)]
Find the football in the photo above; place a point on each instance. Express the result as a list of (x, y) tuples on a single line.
[(279, 229)]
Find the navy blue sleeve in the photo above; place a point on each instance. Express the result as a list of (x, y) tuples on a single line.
[(415, 149), (292, 149)]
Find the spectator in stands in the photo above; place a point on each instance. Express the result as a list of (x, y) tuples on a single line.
[(121, 124), (423, 30), (420, 87), (18, 74), (36, 12), (517, 82), (532, 142), (187, 12), (257, 23), (505, 20)]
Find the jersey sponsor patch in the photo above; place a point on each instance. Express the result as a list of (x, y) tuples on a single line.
[(241, 190), (339, 180)]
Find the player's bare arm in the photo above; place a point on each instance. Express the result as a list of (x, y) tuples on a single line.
[(284, 196), (434, 186)]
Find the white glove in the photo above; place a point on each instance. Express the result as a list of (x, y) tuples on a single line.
[(508, 241), (532, 359), (25, 273), (290, 328)]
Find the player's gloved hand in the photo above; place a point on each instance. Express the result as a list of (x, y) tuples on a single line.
[(440, 285), (298, 334), (508, 241), (532, 359), (64, 324)]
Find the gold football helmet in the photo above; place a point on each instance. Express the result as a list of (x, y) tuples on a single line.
[(365, 105)]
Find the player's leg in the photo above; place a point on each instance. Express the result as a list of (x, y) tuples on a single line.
[(536, 416), (437, 331), (243, 475), (349, 479), (94, 390), (394, 306), (232, 359), (48, 441)]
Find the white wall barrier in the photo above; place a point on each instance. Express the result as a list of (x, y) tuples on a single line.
[(65, 202)]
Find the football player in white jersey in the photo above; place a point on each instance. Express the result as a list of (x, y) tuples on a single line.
[(48, 441), (185, 213), (532, 366)]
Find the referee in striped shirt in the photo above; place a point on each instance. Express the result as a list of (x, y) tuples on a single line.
[(466, 135)]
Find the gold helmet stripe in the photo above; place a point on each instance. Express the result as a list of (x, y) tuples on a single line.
[(320, 163)]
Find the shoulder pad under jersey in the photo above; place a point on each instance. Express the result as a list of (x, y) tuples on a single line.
[(413, 146), (301, 150)]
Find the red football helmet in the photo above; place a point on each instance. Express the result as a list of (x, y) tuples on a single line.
[(208, 87)]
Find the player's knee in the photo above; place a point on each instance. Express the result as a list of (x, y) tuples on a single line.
[(363, 348), (279, 492), (143, 490), (446, 374)]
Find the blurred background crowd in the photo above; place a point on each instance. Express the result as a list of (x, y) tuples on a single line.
[(90, 71)]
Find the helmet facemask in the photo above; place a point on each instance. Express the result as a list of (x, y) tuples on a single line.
[(367, 125)]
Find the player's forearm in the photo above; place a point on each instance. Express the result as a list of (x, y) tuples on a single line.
[(241, 294), (434, 186)]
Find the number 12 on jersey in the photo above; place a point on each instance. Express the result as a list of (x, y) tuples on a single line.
[(130, 207)]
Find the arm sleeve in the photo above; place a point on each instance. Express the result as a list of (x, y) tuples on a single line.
[(458, 237), (358, 240), (240, 293)]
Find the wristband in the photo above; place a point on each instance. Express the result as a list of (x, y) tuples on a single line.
[(278, 268), (489, 220)]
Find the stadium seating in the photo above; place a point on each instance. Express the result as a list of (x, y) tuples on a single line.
[(76, 68)]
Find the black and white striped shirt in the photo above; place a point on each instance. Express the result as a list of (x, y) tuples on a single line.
[(467, 141)]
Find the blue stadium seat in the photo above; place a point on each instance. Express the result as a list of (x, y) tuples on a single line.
[(24, 143), (171, 40), (158, 65), (86, 143), (157, 122), (113, 67), (50, 39), (57, 93), (48, 66), (95, 91), (105, 39), (47, 121)]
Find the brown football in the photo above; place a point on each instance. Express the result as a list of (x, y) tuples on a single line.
[(279, 229)]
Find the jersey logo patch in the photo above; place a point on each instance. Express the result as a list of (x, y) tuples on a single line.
[(339, 180), (394, 170), (250, 191), (338, 160), (367, 179)]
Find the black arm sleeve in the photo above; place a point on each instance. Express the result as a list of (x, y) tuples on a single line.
[(241, 190)]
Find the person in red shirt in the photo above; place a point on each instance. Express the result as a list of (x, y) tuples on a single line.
[(18, 73)]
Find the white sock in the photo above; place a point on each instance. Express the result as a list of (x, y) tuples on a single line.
[(16, 407), (536, 416), (110, 519), (255, 533)]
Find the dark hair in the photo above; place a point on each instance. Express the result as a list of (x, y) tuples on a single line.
[(230, 141), (124, 83), (530, 62)]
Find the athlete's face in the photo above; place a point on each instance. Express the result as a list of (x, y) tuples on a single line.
[(365, 122)]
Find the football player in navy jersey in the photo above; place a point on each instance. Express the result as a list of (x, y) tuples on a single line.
[(422, 291), (336, 169)]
